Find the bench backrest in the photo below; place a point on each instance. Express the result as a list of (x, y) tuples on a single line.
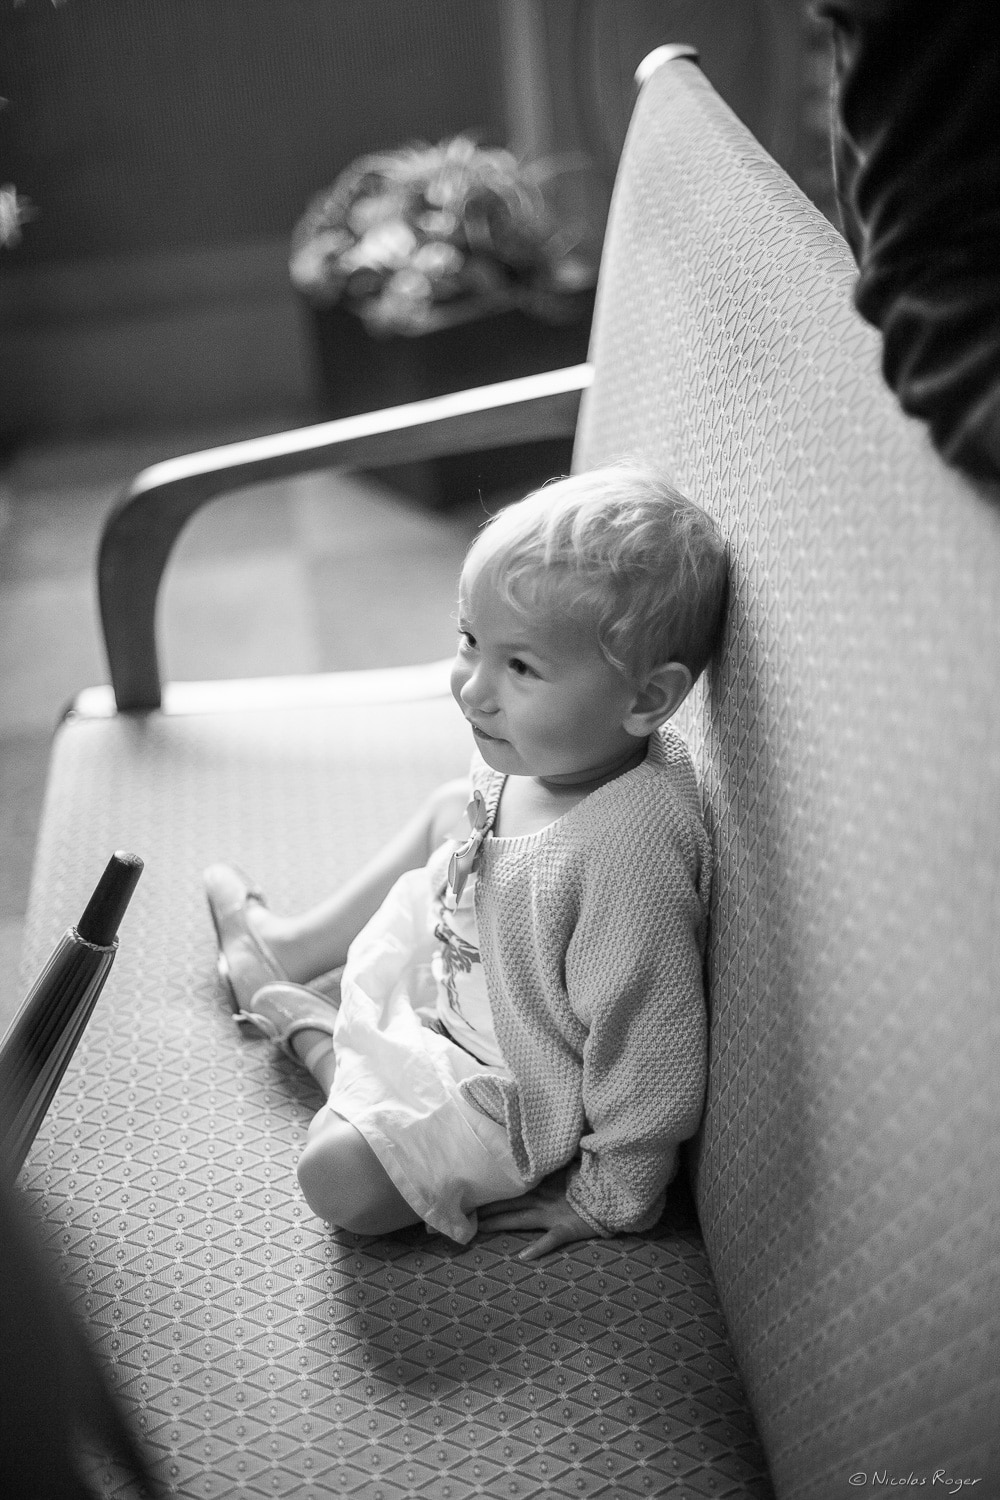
[(849, 738)]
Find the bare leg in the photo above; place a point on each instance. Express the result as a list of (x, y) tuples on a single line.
[(315, 1051), (345, 1183), (317, 940)]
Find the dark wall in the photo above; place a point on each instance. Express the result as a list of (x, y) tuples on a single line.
[(169, 146), (154, 125)]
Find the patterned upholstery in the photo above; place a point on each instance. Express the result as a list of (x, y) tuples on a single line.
[(262, 1354), (847, 1177), (848, 738)]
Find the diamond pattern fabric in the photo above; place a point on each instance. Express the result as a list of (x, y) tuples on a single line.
[(261, 1353), (845, 1176), (849, 739)]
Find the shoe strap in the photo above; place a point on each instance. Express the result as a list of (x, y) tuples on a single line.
[(265, 1025)]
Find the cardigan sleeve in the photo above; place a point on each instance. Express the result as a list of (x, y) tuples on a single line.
[(634, 975)]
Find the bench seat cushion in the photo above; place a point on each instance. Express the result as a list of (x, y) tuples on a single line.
[(262, 1353)]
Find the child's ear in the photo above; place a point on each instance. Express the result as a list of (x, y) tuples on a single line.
[(659, 698)]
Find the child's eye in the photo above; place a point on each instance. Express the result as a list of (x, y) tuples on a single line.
[(467, 639), (520, 668)]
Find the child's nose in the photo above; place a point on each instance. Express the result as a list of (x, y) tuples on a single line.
[(477, 692)]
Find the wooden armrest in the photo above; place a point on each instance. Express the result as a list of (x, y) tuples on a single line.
[(143, 527)]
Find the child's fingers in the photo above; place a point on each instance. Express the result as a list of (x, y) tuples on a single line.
[(559, 1234), (544, 1246)]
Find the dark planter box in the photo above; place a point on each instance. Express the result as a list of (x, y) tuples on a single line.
[(358, 372)]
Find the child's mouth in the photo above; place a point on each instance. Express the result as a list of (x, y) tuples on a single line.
[(481, 734)]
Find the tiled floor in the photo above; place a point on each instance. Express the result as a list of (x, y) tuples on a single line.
[(325, 572)]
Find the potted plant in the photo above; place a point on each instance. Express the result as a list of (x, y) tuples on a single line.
[(432, 268)]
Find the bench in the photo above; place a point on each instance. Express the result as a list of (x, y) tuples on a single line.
[(821, 1301)]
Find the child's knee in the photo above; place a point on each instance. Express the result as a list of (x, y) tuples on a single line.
[(342, 1180), (320, 1172)]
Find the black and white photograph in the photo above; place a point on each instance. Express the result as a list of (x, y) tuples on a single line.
[(499, 749)]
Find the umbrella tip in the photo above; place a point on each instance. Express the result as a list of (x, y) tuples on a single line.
[(112, 894)]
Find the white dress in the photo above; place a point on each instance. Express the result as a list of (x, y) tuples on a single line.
[(398, 1070)]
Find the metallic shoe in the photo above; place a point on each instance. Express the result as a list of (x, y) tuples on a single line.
[(281, 1011), (245, 962)]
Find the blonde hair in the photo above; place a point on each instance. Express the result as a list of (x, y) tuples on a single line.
[(619, 548)]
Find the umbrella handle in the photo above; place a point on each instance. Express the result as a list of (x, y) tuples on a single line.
[(112, 894), (44, 1034)]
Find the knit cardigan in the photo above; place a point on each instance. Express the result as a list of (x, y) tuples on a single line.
[(592, 935)]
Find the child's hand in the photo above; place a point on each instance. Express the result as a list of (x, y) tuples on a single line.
[(545, 1207)]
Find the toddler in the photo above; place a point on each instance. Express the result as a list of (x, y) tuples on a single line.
[(522, 990)]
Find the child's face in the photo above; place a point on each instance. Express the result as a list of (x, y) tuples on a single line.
[(541, 698)]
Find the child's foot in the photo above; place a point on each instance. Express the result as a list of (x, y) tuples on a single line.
[(247, 961), (300, 1021)]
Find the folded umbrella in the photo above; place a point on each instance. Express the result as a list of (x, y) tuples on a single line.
[(44, 1034)]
